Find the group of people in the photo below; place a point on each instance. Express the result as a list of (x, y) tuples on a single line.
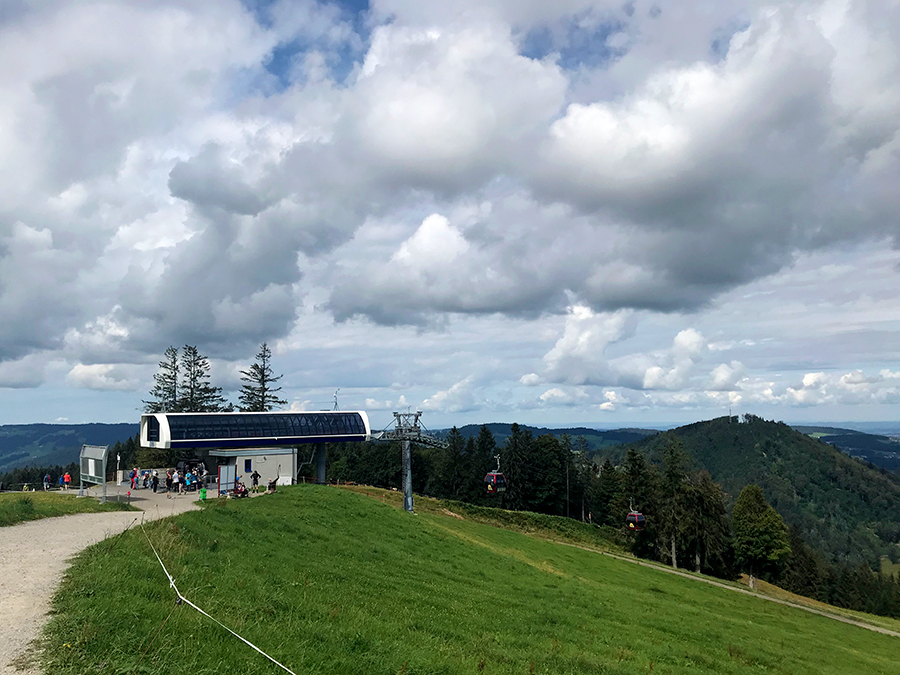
[(65, 480), (176, 482)]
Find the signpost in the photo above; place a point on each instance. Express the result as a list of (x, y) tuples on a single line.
[(93, 467)]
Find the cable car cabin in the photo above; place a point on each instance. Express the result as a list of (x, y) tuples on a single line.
[(635, 521), (495, 482)]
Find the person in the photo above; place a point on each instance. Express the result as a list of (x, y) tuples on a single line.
[(67, 479), (146, 478), (270, 488), (188, 481), (61, 482), (176, 482), (46, 482), (254, 478), (168, 484), (133, 477), (154, 481)]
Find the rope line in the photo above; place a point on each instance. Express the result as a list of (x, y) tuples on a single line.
[(181, 598)]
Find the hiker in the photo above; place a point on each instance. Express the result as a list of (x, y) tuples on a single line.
[(67, 479), (254, 479), (168, 484), (176, 482), (61, 481), (46, 482), (154, 480)]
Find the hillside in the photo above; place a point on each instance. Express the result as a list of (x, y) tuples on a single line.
[(329, 581), (882, 451), (49, 444), (845, 509), (597, 439)]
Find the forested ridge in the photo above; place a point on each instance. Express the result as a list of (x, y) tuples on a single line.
[(845, 509)]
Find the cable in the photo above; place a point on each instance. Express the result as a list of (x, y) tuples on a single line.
[(181, 598)]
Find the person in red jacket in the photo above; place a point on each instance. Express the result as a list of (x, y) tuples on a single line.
[(67, 479)]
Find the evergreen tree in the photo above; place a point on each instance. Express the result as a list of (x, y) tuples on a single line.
[(515, 456), (706, 532), (481, 461), (447, 479), (259, 393), (640, 492), (164, 394), (608, 492), (673, 514), (760, 536), (197, 394)]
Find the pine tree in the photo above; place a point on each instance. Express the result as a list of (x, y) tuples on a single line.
[(164, 394), (197, 394), (259, 394)]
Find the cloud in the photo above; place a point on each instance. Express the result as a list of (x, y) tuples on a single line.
[(458, 398), (103, 376)]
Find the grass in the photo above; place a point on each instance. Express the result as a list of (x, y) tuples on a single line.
[(328, 581), (17, 507)]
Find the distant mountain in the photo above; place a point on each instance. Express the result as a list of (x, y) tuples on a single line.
[(596, 439), (882, 451), (843, 507), (51, 444)]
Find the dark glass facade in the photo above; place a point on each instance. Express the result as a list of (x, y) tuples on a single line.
[(209, 427)]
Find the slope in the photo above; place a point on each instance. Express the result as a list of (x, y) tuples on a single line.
[(844, 508), (48, 444), (330, 581)]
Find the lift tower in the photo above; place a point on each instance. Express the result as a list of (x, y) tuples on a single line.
[(407, 429)]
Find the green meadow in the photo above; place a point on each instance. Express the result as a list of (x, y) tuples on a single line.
[(326, 580), (16, 507)]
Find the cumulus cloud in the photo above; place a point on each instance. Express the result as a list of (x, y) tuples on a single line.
[(102, 376), (458, 398), (177, 172)]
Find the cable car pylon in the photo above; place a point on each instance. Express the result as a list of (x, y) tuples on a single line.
[(407, 429)]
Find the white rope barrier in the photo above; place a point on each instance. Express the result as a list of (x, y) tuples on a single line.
[(183, 599)]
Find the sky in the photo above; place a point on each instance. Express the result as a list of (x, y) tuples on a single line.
[(573, 212)]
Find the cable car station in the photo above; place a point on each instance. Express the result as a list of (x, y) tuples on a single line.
[(246, 441)]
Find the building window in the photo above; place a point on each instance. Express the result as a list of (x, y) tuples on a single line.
[(247, 466)]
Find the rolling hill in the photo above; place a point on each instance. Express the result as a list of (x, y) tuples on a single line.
[(844, 508), (49, 444), (882, 451)]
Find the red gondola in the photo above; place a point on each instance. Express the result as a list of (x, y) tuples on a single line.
[(495, 481), (635, 521)]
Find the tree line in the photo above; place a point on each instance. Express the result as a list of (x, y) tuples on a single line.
[(182, 384), (687, 521)]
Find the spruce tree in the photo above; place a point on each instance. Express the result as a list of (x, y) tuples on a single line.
[(164, 394), (760, 536), (197, 394), (259, 394)]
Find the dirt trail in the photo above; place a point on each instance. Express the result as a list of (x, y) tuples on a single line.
[(35, 555)]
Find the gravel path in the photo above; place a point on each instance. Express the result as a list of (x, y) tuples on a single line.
[(35, 555)]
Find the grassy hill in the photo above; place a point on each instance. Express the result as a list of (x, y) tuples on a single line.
[(597, 439), (847, 510), (328, 581), (49, 444)]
